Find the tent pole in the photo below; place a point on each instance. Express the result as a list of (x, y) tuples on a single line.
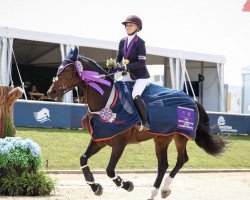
[(171, 64), (220, 71), (165, 73), (201, 89), (19, 74), (177, 74), (183, 81)]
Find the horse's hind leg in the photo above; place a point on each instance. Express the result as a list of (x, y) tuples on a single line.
[(161, 146), (117, 150), (180, 142), (92, 149)]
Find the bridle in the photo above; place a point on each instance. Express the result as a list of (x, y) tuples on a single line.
[(89, 78), (62, 86)]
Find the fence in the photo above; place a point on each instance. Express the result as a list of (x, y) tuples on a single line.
[(62, 115), (48, 114)]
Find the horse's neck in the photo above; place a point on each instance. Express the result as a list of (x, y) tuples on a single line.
[(94, 99)]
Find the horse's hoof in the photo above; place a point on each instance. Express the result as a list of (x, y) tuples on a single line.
[(165, 193), (99, 190), (129, 186)]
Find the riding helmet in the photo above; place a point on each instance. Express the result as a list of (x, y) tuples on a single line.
[(133, 19)]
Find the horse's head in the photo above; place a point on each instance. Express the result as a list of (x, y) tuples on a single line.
[(74, 71), (66, 78)]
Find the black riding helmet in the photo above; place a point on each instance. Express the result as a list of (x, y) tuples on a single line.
[(133, 19)]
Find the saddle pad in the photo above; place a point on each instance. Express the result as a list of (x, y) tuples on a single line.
[(169, 111)]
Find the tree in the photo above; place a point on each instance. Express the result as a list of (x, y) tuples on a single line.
[(8, 96)]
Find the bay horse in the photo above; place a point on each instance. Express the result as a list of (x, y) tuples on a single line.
[(68, 77)]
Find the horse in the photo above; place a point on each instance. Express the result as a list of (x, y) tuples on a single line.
[(97, 94)]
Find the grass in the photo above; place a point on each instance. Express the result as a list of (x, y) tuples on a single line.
[(62, 148)]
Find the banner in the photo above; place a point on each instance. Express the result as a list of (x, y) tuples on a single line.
[(246, 7), (48, 114), (229, 123), (69, 115)]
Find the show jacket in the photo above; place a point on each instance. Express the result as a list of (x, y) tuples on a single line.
[(136, 56)]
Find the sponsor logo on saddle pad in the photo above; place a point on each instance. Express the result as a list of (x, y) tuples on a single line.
[(185, 118), (42, 115)]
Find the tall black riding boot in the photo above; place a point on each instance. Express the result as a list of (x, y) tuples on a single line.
[(141, 107)]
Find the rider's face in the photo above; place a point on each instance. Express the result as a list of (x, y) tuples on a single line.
[(130, 28)]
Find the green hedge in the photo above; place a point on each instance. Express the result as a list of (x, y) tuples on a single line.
[(20, 160), (26, 184)]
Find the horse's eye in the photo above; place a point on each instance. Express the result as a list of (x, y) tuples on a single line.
[(55, 79)]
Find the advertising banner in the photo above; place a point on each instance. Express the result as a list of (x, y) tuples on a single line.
[(69, 115), (229, 123), (48, 114)]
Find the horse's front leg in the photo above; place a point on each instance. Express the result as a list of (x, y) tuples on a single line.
[(92, 149), (117, 150)]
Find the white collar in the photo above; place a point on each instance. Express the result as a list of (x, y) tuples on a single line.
[(130, 38)]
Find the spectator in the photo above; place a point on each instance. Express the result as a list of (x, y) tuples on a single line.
[(34, 89)]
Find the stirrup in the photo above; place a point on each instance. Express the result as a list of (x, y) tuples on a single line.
[(143, 127), (146, 126), (139, 127)]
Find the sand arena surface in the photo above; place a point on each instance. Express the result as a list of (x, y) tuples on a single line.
[(189, 186)]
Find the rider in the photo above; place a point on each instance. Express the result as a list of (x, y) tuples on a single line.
[(132, 56)]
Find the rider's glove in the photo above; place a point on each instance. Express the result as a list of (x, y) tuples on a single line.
[(120, 67)]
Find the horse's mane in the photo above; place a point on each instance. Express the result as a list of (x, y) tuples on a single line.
[(90, 61), (96, 66)]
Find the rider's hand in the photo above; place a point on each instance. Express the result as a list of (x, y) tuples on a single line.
[(120, 67), (117, 68)]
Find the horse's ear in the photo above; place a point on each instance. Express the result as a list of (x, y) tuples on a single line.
[(75, 54), (72, 55)]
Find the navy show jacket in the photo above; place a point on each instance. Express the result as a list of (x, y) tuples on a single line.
[(137, 58)]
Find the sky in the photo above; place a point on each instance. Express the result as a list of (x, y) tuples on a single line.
[(212, 26)]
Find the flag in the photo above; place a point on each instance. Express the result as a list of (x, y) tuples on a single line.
[(246, 7)]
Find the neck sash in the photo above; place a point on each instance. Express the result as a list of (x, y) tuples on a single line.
[(91, 77), (126, 51)]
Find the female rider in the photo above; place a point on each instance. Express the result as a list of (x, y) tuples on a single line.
[(132, 56)]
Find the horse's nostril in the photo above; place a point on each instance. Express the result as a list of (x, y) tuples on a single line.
[(53, 92)]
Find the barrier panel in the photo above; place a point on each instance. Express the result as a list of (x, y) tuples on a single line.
[(229, 123), (48, 114), (69, 115)]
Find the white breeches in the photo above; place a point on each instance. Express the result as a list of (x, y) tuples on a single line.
[(139, 86)]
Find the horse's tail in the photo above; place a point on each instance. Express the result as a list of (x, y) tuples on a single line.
[(204, 139)]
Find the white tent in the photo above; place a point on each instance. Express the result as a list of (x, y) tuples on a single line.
[(37, 48)]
